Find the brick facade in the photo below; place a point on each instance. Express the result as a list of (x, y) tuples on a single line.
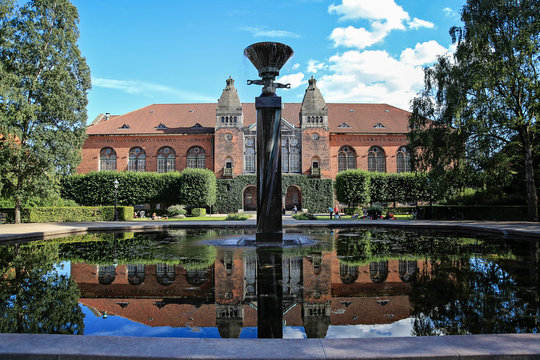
[(313, 134)]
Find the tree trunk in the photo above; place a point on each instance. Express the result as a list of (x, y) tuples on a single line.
[(532, 197), (17, 210)]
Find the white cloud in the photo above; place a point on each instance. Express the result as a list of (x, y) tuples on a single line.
[(418, 23), (314, 66), (147, 89), (295, 66), (423, 53), (383, 15), (295, 80), (371, 76), (400, 328), (266, 32), (449, 12)]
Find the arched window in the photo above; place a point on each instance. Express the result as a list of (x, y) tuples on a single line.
[(295, 160), (250, 160), (315, 162), (106, 274), (137, 159), (376, 159), (196, 158), (107, 159), (378, 271), (284, 159), (135, 274), (165, 274), (346, 159), (403, 160), (165, 160)]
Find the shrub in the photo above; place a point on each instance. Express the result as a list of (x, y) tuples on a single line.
[(75, 214), (198, 187), (176, 210), (304, 216), (198, 212), (237, 217), (352, 186)]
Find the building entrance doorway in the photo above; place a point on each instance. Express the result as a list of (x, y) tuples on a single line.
[(250, 198), (293, 197)]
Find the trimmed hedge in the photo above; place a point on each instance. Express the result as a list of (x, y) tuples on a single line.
[(197, 187), (352, 186), (70, 214), (317, 194), (198, 212)]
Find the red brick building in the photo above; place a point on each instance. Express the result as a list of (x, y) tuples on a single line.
[(318, 139)]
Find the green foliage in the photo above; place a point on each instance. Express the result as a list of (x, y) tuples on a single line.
[(36, 298), (175, 210), (198, 212), (317, 194), (304, 216), (70, 214), (237, 217), (352, 186), (44, 82), (198, 187), (96, 188), (476, 119)]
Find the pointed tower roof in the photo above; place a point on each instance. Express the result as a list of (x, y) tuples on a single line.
[(313, 103), (229, 102)]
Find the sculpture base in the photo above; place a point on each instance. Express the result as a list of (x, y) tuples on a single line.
[(269, 238)]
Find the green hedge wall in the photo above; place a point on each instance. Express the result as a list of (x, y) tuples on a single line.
[(353, 186), (317, 194), (70, 214), (191, 187)]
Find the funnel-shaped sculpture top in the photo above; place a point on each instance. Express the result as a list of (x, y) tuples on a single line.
[(268, 57)]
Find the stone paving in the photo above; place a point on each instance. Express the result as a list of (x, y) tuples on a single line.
[(503, 346)]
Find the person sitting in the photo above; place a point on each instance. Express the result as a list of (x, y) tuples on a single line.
[(355, 216)]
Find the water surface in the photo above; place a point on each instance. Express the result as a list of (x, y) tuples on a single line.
[(347, 283)]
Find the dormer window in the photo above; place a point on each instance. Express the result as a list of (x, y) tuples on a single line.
[(344, 125), (161, 127), (379, 126), (197, 125), (125, 126)]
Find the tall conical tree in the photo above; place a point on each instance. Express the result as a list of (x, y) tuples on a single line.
[(44, 82)]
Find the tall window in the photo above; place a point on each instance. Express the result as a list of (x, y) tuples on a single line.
[(284, 159), (403, 160), (376, 159), (295, 160), (137, 159), (346, 159), (107, 159), (250, 160), (196, 158), (165, 159)]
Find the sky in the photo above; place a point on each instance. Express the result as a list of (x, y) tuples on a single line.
[(144, 52)]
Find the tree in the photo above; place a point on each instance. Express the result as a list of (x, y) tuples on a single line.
[(44, 82), (352, 186), (197, 187), (484, 98)]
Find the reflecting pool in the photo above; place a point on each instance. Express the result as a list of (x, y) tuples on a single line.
[(345, 283)]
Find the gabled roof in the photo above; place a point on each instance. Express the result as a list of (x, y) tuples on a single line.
[(182, 118)]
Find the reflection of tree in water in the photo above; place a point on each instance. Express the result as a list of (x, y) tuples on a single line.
[(475, 296), (34, 297)]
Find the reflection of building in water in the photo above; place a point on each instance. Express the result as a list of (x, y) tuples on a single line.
[(318, 290)]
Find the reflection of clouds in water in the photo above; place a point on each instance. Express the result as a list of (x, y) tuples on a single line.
[(399, 328), (64, 268), (290, 332), (134, 330)]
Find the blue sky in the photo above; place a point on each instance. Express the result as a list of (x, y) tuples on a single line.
[(170, 51)]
